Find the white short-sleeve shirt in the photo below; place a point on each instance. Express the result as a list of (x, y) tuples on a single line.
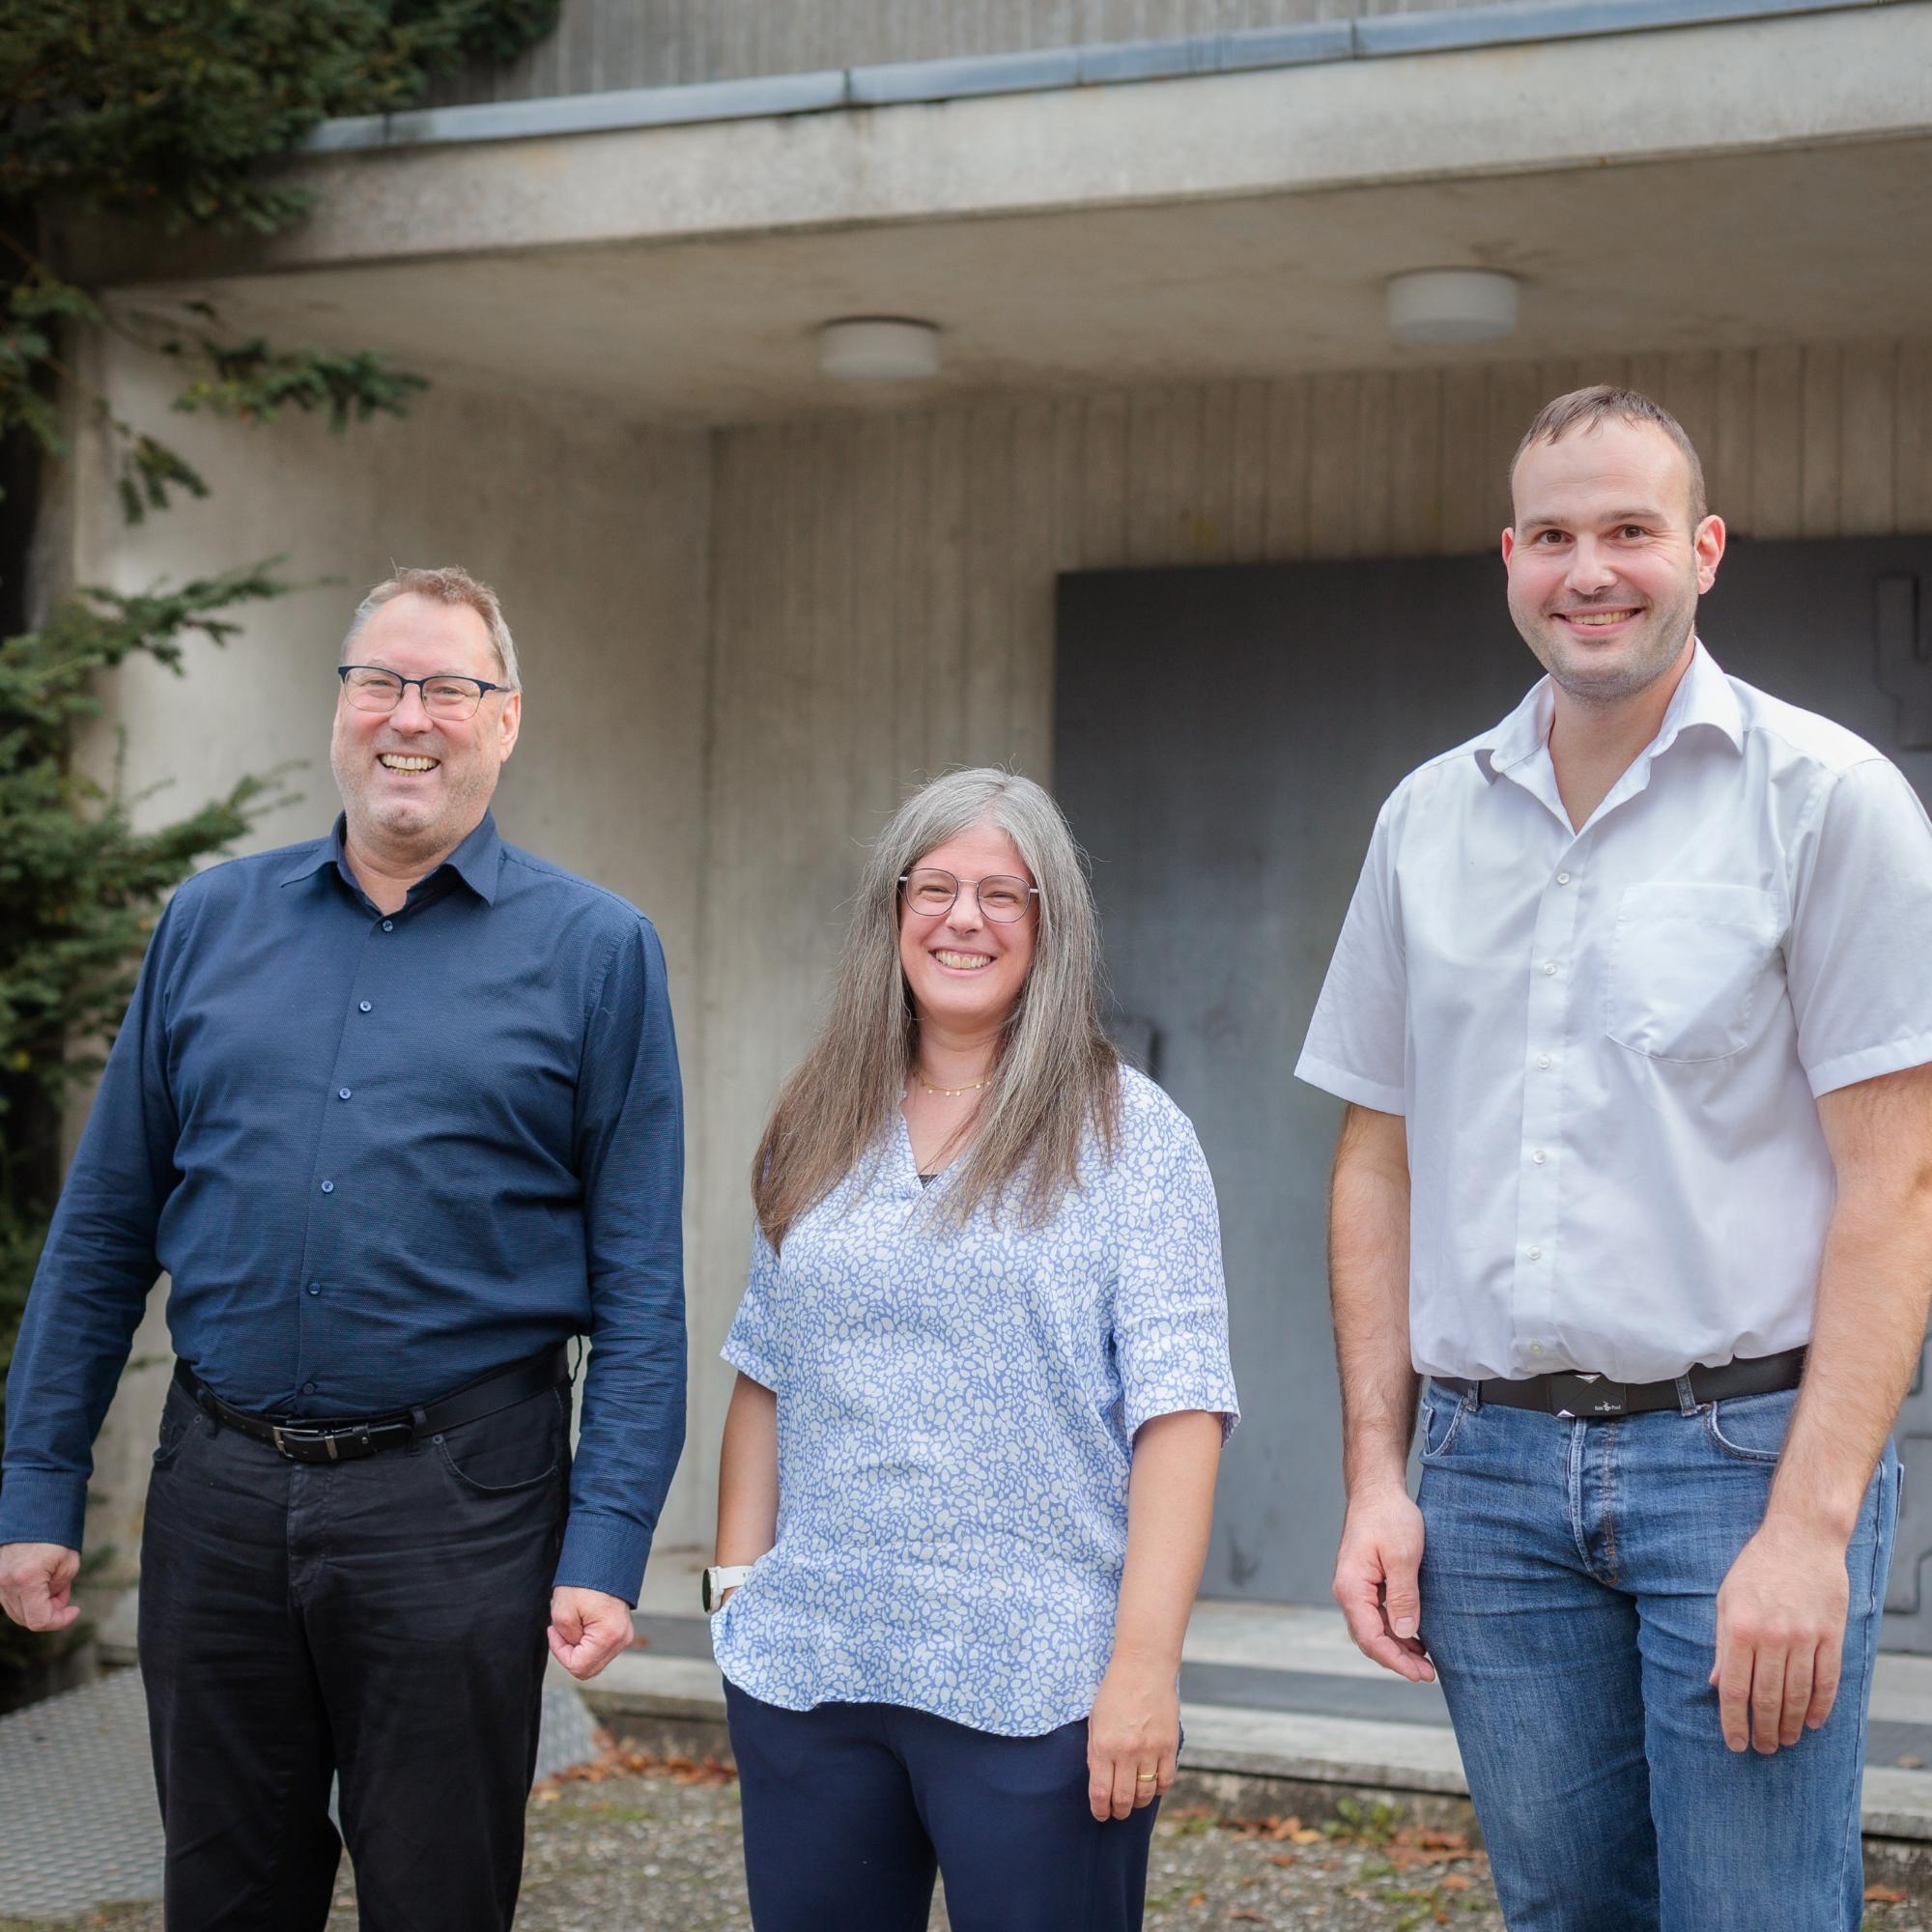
[(1608, 1044), (956, 1408)]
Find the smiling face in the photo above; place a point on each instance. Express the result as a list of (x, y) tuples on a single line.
[(1605, 563), (413, 786), (964, 970)]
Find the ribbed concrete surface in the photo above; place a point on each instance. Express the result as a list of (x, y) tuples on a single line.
[(77, 1798)]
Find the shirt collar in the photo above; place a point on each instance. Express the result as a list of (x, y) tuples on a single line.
[(476, 862), (1703, 696)]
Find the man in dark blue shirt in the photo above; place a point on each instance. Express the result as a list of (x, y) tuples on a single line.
[(398, 1112)]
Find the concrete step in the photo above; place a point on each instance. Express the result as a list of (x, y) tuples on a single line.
[(1270, 1691)]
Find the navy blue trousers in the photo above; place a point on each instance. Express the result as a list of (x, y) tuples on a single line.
[(850, 1810)]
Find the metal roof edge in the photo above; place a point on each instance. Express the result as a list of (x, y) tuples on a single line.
[(933, 82)]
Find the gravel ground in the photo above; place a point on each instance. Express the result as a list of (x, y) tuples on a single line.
[(636, 1845)]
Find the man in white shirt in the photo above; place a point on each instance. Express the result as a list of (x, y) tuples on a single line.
[(1632, 1013)]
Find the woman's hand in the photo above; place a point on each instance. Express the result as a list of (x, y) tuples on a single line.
[(1134, 1731)]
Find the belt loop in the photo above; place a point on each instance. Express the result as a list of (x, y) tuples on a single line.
[(1474, 1399), (1686, 1396)]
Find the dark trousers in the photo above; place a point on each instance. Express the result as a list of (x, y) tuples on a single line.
[(380, 1619), (850, 1808)]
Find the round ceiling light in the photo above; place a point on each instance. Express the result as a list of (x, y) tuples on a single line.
[(878, 348), (1440, 305)]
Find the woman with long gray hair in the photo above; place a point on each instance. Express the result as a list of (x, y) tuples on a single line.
[(982, 1385)]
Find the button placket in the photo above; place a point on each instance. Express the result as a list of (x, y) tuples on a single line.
[(1552, 959), (337, 1144)]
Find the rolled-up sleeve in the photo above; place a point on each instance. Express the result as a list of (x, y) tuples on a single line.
[(1357, 1042), (753, 1347), (1860, 931), (629, 1141), (1170, 1296), (94, 1273)]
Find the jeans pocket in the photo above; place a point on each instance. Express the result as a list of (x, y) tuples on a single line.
[(181, 1421), (1442, 1417), (516, 1449), (1751, 1428)]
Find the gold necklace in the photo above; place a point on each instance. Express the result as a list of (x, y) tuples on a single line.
[(951, 1091)]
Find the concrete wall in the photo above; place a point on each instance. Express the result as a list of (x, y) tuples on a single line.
[(740, 648), (595, 535), (601, 44), (884, 608)]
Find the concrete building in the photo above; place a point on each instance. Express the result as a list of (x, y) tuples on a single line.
[(755, 601)]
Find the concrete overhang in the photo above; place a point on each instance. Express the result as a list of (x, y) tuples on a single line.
[(1691, 187)]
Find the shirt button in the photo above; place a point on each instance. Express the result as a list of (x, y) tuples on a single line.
[(1550, 966), (366, 1006), (1536, 1254), (342, 1093), (309, 1388), (1542, 1060), (1563, 878), (1536, 1348), (328, 1188), (1539, 1157), (315, 1288), (389, 926)]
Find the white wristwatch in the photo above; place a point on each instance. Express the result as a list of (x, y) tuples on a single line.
[(716, 1580)]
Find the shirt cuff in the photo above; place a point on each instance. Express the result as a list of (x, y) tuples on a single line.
[(1844, 1069), (1347, 1086), (603, 1552), (748, 1362), (43, 1506)]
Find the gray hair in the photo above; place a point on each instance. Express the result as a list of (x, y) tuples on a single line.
[(448, 583), (1056, 1075)]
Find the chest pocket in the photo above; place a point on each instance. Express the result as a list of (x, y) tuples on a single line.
[(1692, 969)]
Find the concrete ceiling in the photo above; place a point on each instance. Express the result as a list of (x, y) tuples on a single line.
[(1801, 243)]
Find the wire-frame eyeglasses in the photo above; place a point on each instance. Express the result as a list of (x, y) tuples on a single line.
[(931, 893)]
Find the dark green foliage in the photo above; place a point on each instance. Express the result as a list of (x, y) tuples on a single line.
[(170, 115)]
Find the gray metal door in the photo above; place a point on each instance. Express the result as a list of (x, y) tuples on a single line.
[(1222, 740)]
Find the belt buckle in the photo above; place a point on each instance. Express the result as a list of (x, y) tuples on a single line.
[(1583, 1397), (294, 1432)]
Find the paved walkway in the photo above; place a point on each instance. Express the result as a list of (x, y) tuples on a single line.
[(78, 1828), (1267, 1689)]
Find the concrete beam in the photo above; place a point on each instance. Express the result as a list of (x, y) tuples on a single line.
[(1725, 89)]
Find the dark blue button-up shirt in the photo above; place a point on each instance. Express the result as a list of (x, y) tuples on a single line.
[(378, 1157)]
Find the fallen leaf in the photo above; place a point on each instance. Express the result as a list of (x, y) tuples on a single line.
[(1907, 1761), (1284, 1858), (1456, 1882), (1884, 1895), (1304, 1837)]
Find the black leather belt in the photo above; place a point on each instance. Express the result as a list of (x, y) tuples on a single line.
[(347, 1439), (1593, 1398)]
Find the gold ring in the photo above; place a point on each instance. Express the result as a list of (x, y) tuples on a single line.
[(1147, 1778)]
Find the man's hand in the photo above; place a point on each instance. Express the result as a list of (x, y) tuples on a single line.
[(35, 1579), (1135, 1727), (1781, 1636), (588, 1628), (1376, 1572)]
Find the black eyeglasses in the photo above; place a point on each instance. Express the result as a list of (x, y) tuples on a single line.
[(444, 695), (929, 891)]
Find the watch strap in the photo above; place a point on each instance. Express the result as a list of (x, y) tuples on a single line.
[(718, 1578)]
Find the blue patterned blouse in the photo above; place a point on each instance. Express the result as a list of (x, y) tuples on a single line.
[(956, 1411)]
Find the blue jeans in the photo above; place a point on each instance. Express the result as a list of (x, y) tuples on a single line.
[(1570, 1577)]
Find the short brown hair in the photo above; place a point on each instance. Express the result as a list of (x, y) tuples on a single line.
[(448, 583), (1601, 403)]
